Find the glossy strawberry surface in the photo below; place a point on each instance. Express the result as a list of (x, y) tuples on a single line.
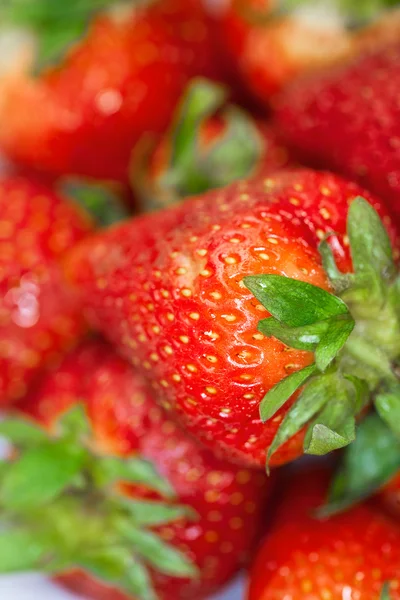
[(167, 291), (351, 555), (40, 315), (126, 421)]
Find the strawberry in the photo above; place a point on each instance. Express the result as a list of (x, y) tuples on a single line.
[(104, 94), (179, 527), (354, 555), (40, 316), (330, 121), (173, 291), (209, 145)]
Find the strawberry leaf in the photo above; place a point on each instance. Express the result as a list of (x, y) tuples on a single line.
[(385, 594), (164, 557), (302, 338), (318, 391), (387, 405), (323, 439), (118, 566), (21, 550), (368, 464), (293, 302), (370, 245), (282, 391), (21, 432), (109, 471), (40, 475), (332, 341), (148, 513)]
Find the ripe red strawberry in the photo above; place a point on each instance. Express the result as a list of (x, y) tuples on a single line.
[(183, 510), (348, 119), (209, 145), (106, 92), (348, 556), (40, 316), (268, 50), (169, 291)]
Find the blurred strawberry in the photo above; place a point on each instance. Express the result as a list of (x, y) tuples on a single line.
[(120, 81), (209, 145), (40, 316), (181, 525)]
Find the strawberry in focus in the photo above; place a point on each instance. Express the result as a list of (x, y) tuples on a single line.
[(181, 528), (348, 119), (122, 80), (40, 315), (352, 555), (168, 290), (209, 145)]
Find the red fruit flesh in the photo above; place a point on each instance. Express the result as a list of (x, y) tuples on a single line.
[(126, 421), (167, 291), (348, 556), (40, 315), (349, 119), (107, 92)]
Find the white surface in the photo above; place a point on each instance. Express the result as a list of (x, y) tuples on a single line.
[(35, 587)]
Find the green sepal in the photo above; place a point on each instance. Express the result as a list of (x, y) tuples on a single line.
[(40, 475), (370, 462), (340, 281), (21, 550), (318, 391), (370, 245), (151, 514), (118, 566), (164, 557), (385, 594), (22, 433), (102, 201), (57, 25), (293, 302), (302, 338), (282, 391), (387, 405), (324, 439), (110, 470), (332, 341)]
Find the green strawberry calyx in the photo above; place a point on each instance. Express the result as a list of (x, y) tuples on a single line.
[(354, 336), (62, 508), (195, 167)]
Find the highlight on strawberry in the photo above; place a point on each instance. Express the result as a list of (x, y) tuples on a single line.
[(180, 311)]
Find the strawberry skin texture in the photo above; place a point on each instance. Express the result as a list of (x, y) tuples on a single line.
[(106, 93), (329, 120), (40, 315), (125, 421), (167, 292), (350, 555)]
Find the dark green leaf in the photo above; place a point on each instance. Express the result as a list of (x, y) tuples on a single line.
[(388, 406), (162, 556), (279, 394), (293, 302), (369, 242), (99, 199), (20, 550), (148, 513), (110, 470), (303, 338), (118, 566), (21, 432), (368, 463), (318, 391), (332, 341), (40, 475)]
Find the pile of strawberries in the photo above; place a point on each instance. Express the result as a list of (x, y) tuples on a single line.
[(199, 251)]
